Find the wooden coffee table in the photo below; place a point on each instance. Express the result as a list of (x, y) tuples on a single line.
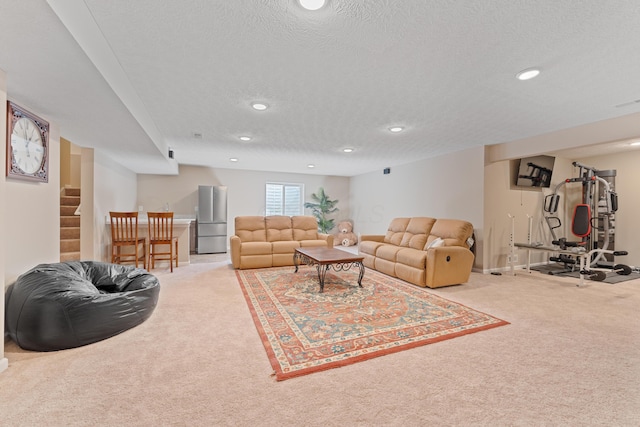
[(325, 258)]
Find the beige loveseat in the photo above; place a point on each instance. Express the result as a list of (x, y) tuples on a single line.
[(424, 251), (270, 241)]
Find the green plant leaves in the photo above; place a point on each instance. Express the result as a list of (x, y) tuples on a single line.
[(321, 207)]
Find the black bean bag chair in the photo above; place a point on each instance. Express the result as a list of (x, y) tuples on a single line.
[(71, 304)]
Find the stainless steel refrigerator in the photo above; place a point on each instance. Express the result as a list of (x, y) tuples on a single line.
[(212, 219)]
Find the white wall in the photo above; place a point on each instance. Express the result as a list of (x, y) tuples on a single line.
[(32, 217), (4, 363), (30, 212), (502, 198), (245, 190), (448, 186), (114, 189)]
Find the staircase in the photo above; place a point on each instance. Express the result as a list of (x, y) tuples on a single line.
[(69, 225)]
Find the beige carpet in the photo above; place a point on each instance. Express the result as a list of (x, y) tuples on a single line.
[(571, 356)]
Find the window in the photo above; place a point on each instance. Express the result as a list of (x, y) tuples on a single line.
[(284, 199)]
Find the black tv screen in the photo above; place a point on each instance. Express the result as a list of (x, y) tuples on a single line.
[(535, 171)]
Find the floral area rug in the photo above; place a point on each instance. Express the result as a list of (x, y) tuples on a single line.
[(305, 331)]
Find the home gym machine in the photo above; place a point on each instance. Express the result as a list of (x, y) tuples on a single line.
[(576, 255), (593, 221)]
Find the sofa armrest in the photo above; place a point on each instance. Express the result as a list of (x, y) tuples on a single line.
[(326, 237), (448, 265), (235, 243), (372, 237)]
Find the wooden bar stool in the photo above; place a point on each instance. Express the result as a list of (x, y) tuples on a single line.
[(124, 234), (161, 234)]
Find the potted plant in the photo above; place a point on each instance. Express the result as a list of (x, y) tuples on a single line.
[(321, 207)]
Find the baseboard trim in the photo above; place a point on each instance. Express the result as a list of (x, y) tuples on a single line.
[(4, 364), (507, 269)]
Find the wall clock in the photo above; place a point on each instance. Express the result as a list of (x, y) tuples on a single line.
[(27, 145)]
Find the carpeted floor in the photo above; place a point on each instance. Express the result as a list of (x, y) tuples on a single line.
[(570, 357), (306, 331)]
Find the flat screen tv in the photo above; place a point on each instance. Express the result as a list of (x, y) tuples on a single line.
[(535, 171)]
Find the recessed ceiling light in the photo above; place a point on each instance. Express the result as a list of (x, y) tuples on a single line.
[(233, 159), (259, 106), (528, 74), (312, 4), (635, 143), (245, 138), (311, 166), (348, 150), (396, 129)]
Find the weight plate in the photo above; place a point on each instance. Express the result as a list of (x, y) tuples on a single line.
[(622, 269)]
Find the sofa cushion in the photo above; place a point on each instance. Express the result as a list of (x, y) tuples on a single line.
[(255, 248), (388, 252), (396, 230), (284, 247), (369, 246), (417, 232), (312, 243), (250, 228), (412, 257), (417, 276), (455, 232), (369, 260), (304, 227), (278, 228), (385, 266), (256, 261)]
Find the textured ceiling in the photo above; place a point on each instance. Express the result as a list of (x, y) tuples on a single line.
[(137, 77)]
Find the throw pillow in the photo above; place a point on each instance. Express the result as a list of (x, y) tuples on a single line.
[(436, 243)]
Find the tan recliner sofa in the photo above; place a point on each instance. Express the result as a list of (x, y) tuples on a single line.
[(270, 241), (423, 251)]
